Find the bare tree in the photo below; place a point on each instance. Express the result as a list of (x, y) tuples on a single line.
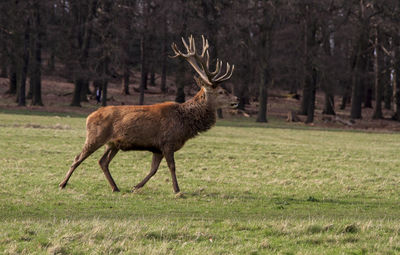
[(36, 63), (83, 13)]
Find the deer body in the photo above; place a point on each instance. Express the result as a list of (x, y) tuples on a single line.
[(156, 128), (161, 128)]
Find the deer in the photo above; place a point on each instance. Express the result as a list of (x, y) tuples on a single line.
[(160, 128)]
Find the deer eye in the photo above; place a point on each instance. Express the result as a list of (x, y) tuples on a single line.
[(221, 92)]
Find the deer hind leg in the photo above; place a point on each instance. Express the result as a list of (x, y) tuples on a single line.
[(157, 157), (169, 156), (86, 152), (105, 161)]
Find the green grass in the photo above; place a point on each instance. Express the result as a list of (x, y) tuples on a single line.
[(249, 189)]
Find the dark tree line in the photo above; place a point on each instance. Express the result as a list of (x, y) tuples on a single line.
[(343, 48)]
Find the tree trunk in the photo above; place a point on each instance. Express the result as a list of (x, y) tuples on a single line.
[(32, 61), (180, 70), (146, 76), (378, 84), (396, 103), (30, 89), (311, 104), (359, 65), (52, 42), (309, 79), (329, 106), (396, 89), (243, 96), (329, 48), (263, 97), (23, 67), (4, 73), (368, 96), (105, 78), (387, 97), (344, 100), (219, 113), (356, 97), (387, 77), (346, 95), (36, 75), (125, 82), (359, 70), (180, 94), (242, 103), (51, 63), (4, 64), (163, 85), (143, 72), (305, 100), (21, 89), (85, 90), (76, 97), (309, 90), (104, 92), (152, 77), (84, 37), (12, 89), (36, 78), (180, 82)]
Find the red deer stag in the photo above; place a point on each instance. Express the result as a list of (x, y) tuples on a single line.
[(160, 128)]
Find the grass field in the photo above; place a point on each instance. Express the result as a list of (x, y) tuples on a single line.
[(249, 189)]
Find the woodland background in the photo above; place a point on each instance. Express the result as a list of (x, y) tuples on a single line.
[(345, 50), (250, 188)]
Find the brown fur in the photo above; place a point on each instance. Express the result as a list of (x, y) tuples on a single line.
[(161, 128)]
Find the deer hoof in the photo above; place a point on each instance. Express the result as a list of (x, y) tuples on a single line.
[(62, 185), (179, 195), (115, 190)]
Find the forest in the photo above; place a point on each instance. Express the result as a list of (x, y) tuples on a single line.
[(348, 50)]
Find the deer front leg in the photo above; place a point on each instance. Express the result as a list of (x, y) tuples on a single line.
[(157, 157), (86, 152), (169, 156)]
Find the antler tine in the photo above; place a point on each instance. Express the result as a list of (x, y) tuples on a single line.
[(187, 47), (225, 76), (205, 56), (192, 44), (176, 51), (217, 71), (216, 78), (230, 75), (205, 47), (201, 63), (207, 60), (192, 58)]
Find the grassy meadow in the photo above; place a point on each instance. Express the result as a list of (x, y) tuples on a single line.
[(248, 189)]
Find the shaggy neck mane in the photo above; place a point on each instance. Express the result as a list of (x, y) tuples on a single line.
[(198, 113)]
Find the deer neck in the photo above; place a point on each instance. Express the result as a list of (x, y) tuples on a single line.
[(199, 113)]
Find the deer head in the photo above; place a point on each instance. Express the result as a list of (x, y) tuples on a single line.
[(207, 79)]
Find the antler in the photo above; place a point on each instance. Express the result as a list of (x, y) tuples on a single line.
[(200, 63)]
